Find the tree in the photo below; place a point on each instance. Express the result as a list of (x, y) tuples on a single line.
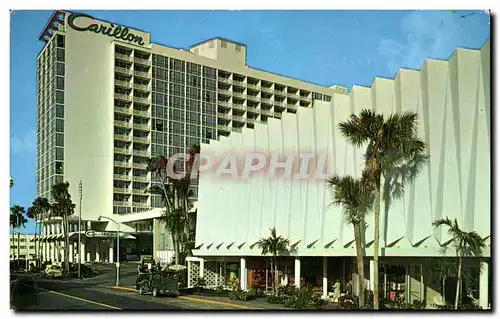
[(356, 198), (274, 245), (17, 220), (391, 143), (11, 182), (446, 268), (63, 207), (40, 208), (466, 244)]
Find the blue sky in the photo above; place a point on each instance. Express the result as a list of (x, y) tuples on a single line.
[(324, 47)]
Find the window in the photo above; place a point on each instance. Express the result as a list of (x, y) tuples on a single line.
[(60, 97), (159, 125), (193, 105), (209, 84), (208, 108), (59, 168), (193, 68), (193, 93), (177, 65), (193, 80), (192, 130), (59, 139), (60, 69), (209, 96), (208, 133), (209, 72), (176, 140), (238, 48), (176, 77), (327, 98), (59, 83), (177, 115), (59, 125), (223, 44), (208, 120), (60, 41), (317, 96), (176, 89), (60, 55), (176, 127), (176, 102), (193, 118), (59, 111)]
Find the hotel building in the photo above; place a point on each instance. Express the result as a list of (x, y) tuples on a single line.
[(453, 101), (109, 99)]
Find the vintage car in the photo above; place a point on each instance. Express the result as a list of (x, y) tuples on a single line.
[(52, 271), (157, 283)]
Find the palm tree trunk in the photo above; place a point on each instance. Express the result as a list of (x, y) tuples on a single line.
[(66, 244), (276, 283), (18, 241), (359, 258), (176, 249), (459, 279), (376, 246), (36, 246), (444, 290)]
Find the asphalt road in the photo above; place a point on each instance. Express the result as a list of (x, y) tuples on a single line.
[(32, 293)]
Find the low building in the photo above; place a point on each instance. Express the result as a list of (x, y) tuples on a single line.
[(26, 244), (452, 99)]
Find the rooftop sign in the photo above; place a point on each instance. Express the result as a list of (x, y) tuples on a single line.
[(117, 32)]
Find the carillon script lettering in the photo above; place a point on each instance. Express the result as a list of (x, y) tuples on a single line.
[(118, 32)]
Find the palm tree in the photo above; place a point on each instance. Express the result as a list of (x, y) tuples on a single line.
[(391, 143), (274, 245), (17, 220), (11, 182), (466, 244), (39, 209), (356, 198), (446, 268), (63, 207)]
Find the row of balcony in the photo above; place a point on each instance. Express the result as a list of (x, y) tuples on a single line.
[(131, 165), (130, 72), (126, 151), (129, 58), (124, 124), (136, 86), (129, 111), (127, 204), (124, 177), (265, 89), (127, 190), (253, 109), (130, 98)]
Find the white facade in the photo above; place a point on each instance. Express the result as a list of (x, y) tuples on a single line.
[(452, 99)]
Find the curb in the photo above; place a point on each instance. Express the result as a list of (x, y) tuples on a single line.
[(201, 300)]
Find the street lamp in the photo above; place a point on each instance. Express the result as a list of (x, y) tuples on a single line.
[(80, 192), (117, 249)]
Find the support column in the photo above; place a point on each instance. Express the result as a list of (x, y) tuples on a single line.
[(297, 272), (111, 251), (87, 251), (82, 251), (372, 274), (325, 276), (189, 273), (483, 286), (71, 252), (53, 252), (202, 268), (243, 273), (156, 238), (97, 252)]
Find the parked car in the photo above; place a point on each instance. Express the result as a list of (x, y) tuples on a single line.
[(52, 271), (156, 283)]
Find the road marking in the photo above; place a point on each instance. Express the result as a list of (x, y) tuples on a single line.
[(76, 298), (201, 300)]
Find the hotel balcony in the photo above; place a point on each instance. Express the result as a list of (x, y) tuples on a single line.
[(293, 95), (279, 104), (305, 98), (239, 107), (139, 191), (144, 140), (141, 126), (144, 153), (122, 177), (123, 124), (224, 104), (223, 128), (123, 57), (123, 97), (240, 95), (277, 114), (123, 110), (252, 86), (253, 98), (224, 80), (121, 190), (240, 119), (224, 116), (123, 137), (292, 107), (252, 120), (142, 100), (140, 165), (253, 110), (267, 112), (141, 74), (142, 87), (123, 164), (280, 92), (140, 204), (140, 179), (125, 151), (123, 84), (120, 203), (266, 89), (239, 83), (236, 129), (123, 70), (142, 61), (142, 113)]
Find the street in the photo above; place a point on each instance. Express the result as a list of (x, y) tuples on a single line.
[(30, 292)]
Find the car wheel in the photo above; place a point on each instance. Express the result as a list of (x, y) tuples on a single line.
[(155, 292)]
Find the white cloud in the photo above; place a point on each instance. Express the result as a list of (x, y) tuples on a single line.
[(24, 144), (429, 34)]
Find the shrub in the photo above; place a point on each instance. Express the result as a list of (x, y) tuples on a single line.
[(348, 301), (275, 299), (199, 284), (241, 295), (256, 292)]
